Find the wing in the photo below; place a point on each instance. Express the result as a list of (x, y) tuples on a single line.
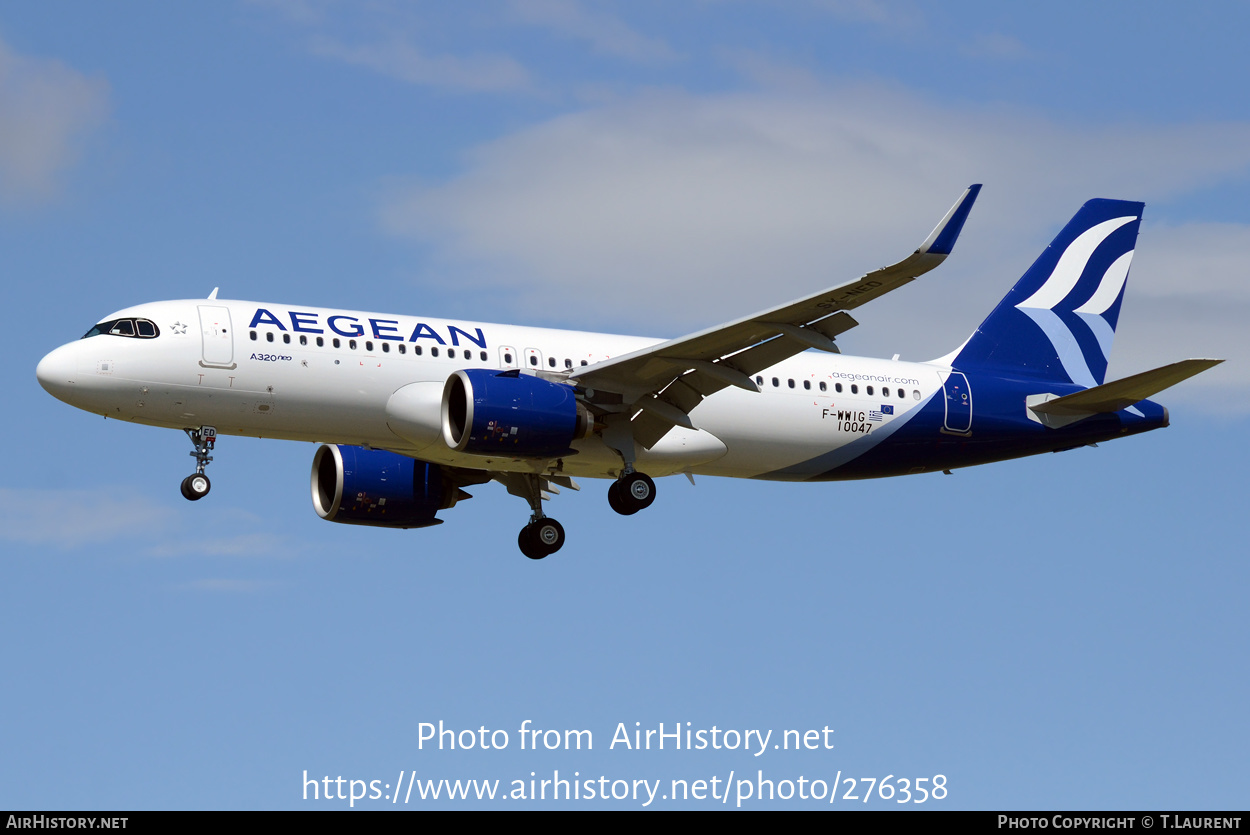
[(665, 381)]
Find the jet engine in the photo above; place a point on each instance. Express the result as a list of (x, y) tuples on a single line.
[(361, 486), (508, 413)]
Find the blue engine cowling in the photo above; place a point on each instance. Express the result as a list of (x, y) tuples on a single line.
[(374, 487), (508, 413)]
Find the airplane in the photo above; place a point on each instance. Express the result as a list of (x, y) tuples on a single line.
[(411, 410)]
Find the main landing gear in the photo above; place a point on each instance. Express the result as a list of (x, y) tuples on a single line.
[(543, 536), (197, 485), (632, 492)]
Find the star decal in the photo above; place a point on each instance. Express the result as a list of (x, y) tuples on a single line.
[(179, 328)]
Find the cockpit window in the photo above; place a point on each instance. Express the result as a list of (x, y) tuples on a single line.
[(139, 328)]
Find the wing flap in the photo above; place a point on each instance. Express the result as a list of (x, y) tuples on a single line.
[(688, 391)]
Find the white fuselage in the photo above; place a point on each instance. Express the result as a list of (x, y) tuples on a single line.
[(258, 369)]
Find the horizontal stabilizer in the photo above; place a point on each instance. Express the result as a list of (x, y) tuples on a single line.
[(1112, 397)]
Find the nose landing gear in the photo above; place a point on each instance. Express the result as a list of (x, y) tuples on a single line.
[(197, 485)]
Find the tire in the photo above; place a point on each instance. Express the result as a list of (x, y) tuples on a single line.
[(637, 490), (548, 534), (195, 487), (618, 502), (525, 541)]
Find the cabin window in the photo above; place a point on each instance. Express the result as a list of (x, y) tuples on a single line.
[(533, 360), (807, 384), (915, 394), (870, 391), (269, 336), (286, 339), (386, 347), (790, 383), (403, 349), (321, 342), (823, 387), (337, 343), (776, 382), (351, 343), (483, 356), (585, 363), (434, 352), (303, 340), (837, 387), (416, 350), (253, 335), (854, 389), (507, 358)]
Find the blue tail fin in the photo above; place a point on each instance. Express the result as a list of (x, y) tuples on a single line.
[(1058, 322)]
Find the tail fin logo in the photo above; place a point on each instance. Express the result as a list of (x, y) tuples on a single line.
[(1058, 322), (1060, 298)]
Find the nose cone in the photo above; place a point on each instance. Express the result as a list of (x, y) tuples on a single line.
[(58, 372)]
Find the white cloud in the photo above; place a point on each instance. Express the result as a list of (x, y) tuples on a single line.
[(1189, 296), (997, 46), (72, 518), (46, 111), (240, 545), (390, 39), (670, 211), (1174, 262), (892, 14), (400, 59), (605, 33)]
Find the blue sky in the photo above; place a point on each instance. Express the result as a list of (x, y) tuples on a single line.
[(1063, 631)]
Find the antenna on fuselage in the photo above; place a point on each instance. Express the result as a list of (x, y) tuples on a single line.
[(213, 294)]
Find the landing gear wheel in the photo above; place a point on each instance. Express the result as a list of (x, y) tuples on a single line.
[(525, 542), (618, 502), (195, 487), (631, 493), (541, 538), (549, 534)]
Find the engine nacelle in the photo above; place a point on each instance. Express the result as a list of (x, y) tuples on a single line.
[(508, 413), (361, 486)]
